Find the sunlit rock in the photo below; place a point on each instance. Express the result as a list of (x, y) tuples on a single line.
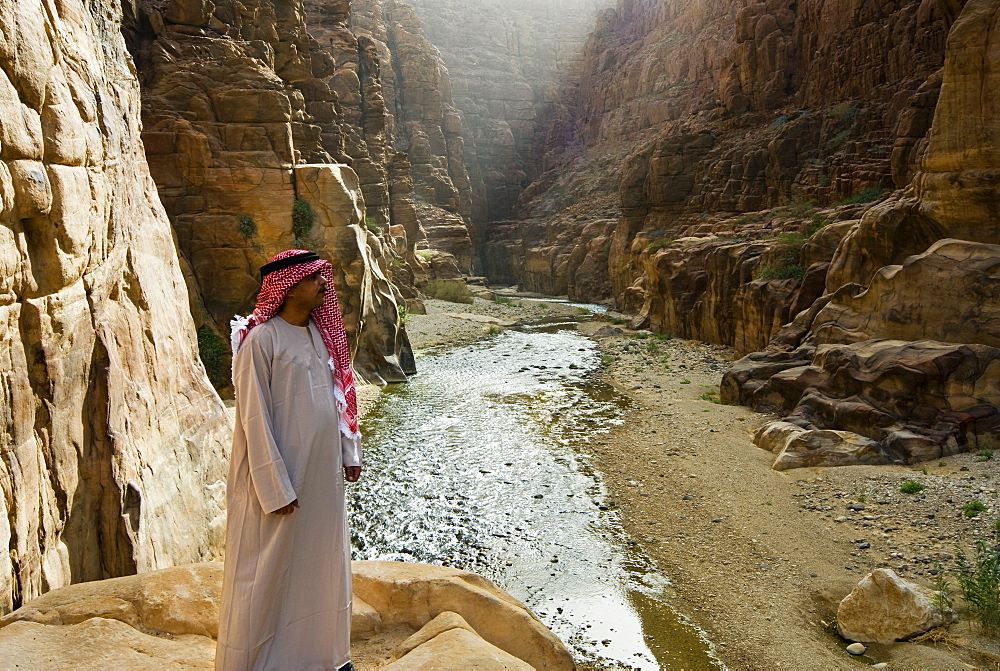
[(884, 608)]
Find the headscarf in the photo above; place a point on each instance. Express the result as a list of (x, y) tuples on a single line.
[(280, 274)]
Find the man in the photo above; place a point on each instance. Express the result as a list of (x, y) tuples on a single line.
[(286, 591)]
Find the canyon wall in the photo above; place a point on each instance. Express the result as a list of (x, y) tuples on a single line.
[(507, 62), (114, 442), (900, 356)]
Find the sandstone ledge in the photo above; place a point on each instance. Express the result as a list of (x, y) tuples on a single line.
[(421, 615)]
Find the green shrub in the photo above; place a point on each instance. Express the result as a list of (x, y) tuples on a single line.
[(818, 222), (453, 291), (973, 508), (868, 194), (840, 138), (711, 397), (790, 271), (403, 312), (659, 243), (984, 455), (212, 351), (246, 226), (979, 580), (302, 219), (844, 112), (372, 225), (503, 300), (825, 181), (911, 487), (425, 255)]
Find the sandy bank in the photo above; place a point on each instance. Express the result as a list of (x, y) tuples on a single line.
[(760, 558)]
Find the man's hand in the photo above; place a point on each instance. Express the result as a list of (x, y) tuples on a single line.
[(352, 473), (287, 510)]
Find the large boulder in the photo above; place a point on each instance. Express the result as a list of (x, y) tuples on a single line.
[(168, 619), (884, 608)]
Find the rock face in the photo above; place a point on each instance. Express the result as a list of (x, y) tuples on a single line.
[(169, 618), (884, 608), (103, 397), (239, 103), (929, 387)]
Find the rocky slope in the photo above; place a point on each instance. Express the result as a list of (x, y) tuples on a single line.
[(114, 442)]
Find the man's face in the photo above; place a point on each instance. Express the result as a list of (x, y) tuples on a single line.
[(309, 292)]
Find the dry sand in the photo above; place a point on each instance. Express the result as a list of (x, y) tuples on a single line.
[(759, 559)]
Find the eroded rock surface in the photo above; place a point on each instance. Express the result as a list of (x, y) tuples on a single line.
[(169, 618), (102, 396), (237, 98)]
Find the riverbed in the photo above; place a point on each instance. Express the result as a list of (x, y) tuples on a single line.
[(483, 462)]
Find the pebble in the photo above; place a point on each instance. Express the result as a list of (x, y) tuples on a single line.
[(856, 649), (717, 519), (864, 546)]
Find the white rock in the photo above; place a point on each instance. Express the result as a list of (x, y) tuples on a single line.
[(856, 648)]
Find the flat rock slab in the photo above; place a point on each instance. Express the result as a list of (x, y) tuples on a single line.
[(482, 319)]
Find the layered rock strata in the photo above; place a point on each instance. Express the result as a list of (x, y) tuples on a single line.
[(865, 357), (114, 441), (241, 112), (168, 619), (700, 112)]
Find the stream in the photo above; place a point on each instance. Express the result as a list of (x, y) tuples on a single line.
[(480, 462)]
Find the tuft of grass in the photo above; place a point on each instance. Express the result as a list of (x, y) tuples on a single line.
[(923, 470), (685, 381), (711, 397), (984, 455), (425, 255), (861, 498), (979, 580), (503, 300), (302, 219), (212, 351), (494, 330), (403, 313), (641, 335), (453, 291), (911, 487), (973, 508), (943, 597), (246, 226), (372, 225)]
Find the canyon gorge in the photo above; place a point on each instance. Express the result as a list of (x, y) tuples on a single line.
[(814, 184)]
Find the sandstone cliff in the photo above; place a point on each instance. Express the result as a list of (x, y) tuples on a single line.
[(900, 355), (114, 441), (697, 113), (240, 104)]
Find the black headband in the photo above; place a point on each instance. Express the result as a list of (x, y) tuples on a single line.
[(287, 262)]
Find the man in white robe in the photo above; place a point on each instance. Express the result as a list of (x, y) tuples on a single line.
[(286, 598)]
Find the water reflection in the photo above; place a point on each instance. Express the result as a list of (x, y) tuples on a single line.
[(477, 463)]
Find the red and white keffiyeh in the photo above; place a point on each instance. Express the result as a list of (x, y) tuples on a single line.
[(327, 317)]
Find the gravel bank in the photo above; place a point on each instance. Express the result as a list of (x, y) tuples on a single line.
[(760, 558)]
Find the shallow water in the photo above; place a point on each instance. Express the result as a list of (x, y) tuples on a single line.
[(480, 462)]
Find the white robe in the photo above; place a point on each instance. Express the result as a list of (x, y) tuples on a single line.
[(286, 594)]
